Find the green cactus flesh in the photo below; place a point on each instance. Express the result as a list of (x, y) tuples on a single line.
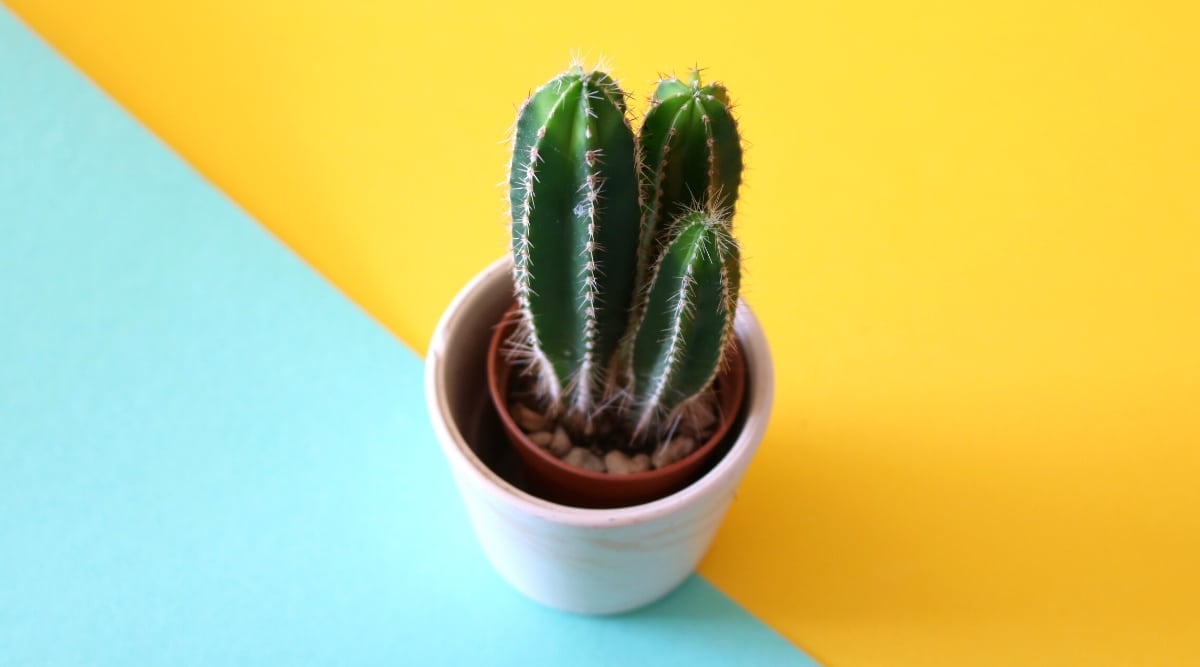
[(687, 318), (691, 157), (575, 228)]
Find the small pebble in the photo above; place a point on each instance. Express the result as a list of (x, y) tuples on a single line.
[(560, 443), (541, 438), (529, 420), (582, 458), (672, 450), (618, 463), (641, 463)]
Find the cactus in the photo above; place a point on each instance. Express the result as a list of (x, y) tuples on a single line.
[(574, 198), (625, 269), (691, 157), (687, 319)]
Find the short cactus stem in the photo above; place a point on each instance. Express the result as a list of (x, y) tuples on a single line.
[(687, 317)]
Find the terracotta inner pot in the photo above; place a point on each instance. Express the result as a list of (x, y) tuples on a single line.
[(559, 482)]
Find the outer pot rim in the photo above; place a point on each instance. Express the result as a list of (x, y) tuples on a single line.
[(759, 399)]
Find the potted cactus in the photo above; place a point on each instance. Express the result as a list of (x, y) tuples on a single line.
[(631, 383), (626, 276)]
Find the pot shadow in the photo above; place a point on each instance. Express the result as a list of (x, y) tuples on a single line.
[(484, 433), (714, 626)]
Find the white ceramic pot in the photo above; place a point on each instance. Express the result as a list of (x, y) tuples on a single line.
[(587, 561)]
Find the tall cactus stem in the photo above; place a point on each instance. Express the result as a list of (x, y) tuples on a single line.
[(573, 195)]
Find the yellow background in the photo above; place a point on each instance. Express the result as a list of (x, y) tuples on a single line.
[(973, 232)]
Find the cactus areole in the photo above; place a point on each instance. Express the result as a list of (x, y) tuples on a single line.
[(626, 276)]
